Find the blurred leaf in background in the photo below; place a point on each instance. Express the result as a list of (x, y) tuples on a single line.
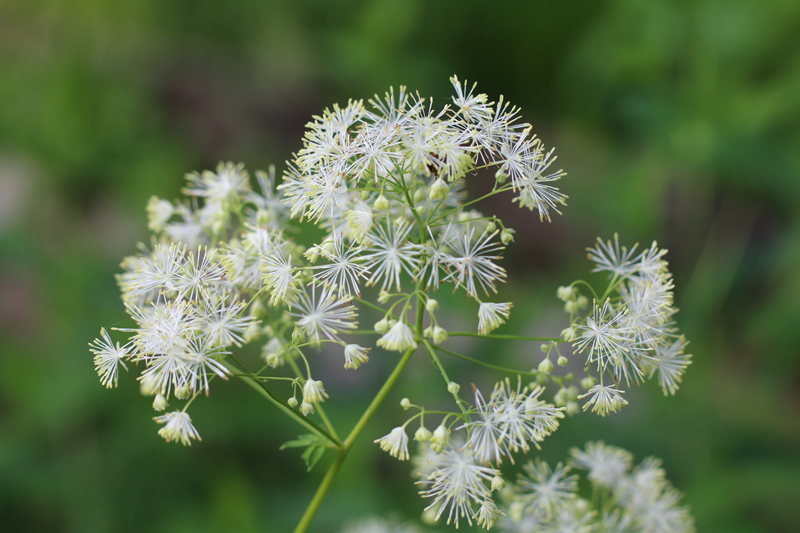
[(677, 121)]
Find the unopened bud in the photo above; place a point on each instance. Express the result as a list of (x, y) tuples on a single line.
[(439, 335), (419, 196), (431, 305), (381, 204), (439, 190), (507, 235), (292, 402), (566, 293), (588, 382), (382, 325), (405, 403), (306, 408), (384, 296), (573, 408), (546, 366), (498, 483), (562, 361), (453, 387), (160, 403), (569, 334), (423, 434), (182, 392), (491, 227)]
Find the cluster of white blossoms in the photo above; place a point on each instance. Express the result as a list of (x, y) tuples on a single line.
[(628, 499), (384, 182), (630, 334)]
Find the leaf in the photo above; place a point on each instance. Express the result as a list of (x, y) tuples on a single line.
[(314, 445)]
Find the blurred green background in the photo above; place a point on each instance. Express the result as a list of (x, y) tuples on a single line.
[(676, 120)]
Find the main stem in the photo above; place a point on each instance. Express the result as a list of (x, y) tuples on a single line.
[(330, 475)]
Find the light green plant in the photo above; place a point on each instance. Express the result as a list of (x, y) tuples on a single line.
[(386, 184)]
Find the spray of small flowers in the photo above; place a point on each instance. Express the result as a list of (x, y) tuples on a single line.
[(385, 181)]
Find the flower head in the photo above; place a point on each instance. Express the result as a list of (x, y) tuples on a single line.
[(178, 426), (396, 443)]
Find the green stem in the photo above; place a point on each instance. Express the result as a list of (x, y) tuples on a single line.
[(330, 475), (505, 337), (488, 365), (283, 406)]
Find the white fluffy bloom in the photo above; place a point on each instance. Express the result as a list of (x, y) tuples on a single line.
[(671, 362), (545, 491), (324, 315), (391, 254), (399, 338), (604, 335), (473, 262), (107, 358), (178, 426), (355, 355), (228, 184), (456, 484), (396, 443), (492, 315), (359, 220), (607, 465), (612, 257), (344, 270), (603, 399)]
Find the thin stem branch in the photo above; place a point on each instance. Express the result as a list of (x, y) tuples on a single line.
[(282, 405), (505, 337)]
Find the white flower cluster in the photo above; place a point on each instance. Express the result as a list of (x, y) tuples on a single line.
[(460, 474), (631, 336), (385, 183), (638, 500)]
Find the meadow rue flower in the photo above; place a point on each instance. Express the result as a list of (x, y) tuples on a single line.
[(398, 338), (396, 443), (492, 315), (177, 426), (384, 185), (354, 355), (603, 399), (422, 434)]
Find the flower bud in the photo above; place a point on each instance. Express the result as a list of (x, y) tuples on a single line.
[(507, 235), (498, 483), (420, 209), (427, 332), (572, 307), (569, 334), (383, 297), (160, 403), (583, 301), (405, 403), (562, 361), (440, 439), (439, 335), (182, 392), (439, 190), (588, 382), (381, 204), (431, 305), (453, 387), (573, 408), (382, 325), (491, 227), (566, 293), (419, 196), (423, 434), (306, 408), (148, 385), (500, 176), (546, 366), (292, 402)]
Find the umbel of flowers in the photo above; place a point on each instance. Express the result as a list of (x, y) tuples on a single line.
[(385, 182)]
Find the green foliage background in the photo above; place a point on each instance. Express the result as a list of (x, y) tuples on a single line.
[(676, 120)]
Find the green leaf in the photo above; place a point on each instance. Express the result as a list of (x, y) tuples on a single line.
[(314, 445)]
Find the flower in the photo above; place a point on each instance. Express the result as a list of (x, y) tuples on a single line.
[(399, 338), (473, 262), (107, 358), (456, 484), (344, 270), (390, 255), (396, 443), (492, 315), (605, 337), (671, 362), (603, 399), (546, 491), (178, 426), (354, 355), (607, 465), (313, 392), (326, 315)]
